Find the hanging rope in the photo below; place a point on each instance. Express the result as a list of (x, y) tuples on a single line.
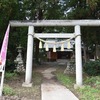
[(54, 47)]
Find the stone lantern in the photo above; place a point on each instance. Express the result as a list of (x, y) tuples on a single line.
[(19, 60)]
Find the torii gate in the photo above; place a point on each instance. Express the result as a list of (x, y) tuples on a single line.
[(77, 31)]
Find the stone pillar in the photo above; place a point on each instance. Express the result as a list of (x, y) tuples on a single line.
[(28, 76), (78, 56)]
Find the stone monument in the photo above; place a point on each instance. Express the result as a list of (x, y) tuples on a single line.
[(19, 61)]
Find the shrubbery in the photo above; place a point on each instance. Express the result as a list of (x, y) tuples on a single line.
[(10, 65), (92, 68)]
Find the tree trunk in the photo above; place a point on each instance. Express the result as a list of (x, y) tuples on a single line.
[(97, 54)]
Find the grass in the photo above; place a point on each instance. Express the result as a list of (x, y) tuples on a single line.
[(65, 80), (34, 91), (9, 75), (90, 91), (7, 90), (13, 85)]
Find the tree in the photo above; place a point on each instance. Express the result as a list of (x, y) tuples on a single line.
[(9, 10), (86, 9), (28, 10), (42, 9)]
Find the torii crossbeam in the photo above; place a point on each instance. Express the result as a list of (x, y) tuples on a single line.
[(55, 23)]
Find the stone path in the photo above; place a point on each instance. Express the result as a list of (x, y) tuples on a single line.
[(48, 73), (52, 90)]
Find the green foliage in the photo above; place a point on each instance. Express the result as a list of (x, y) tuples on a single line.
[(65, 80), (93, 81), (92, 67), (86, 9), (89, 93), (10, 65), (22, 10), (92, 3), (9, 75), (7, 90)]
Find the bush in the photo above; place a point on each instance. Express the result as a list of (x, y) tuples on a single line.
[(10, 65), (92, 68)]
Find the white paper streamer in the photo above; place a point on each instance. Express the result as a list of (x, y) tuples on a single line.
[(62, 47), (54, 48), (40, 45), (68, 45), (47, 49)]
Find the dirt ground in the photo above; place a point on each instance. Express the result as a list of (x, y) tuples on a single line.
[(23, 93)]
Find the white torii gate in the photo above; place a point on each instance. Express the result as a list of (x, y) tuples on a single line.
[(30, 44)]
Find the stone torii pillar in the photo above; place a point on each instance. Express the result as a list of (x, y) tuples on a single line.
[(78, 56), (28, 76)]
